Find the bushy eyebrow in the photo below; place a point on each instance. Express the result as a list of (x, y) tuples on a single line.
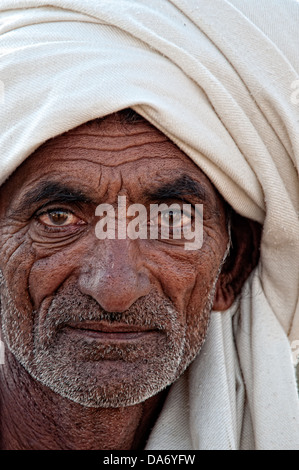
[(179, 189), (50, 191), (60, 193)]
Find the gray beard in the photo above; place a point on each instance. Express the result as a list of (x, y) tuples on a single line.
[(41, 352)]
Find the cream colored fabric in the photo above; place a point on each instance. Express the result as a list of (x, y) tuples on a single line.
[(219, 78)]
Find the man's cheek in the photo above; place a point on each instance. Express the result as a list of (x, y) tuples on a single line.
[(13, 239), (57, 263), (200, 302), (173, 272), (16, 259), (17, 319), (49, 273), (187, 279)]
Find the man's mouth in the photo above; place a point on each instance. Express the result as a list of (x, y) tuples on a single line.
[(105, 331)]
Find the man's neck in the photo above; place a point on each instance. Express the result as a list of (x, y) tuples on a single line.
[(35, 418)]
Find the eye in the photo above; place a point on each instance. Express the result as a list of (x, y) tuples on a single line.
[(59, 218), (174, 218), (170, 222)]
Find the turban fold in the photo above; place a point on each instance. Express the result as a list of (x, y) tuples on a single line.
[(221, 80)]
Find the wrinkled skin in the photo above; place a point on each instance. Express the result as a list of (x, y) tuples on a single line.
[(150, 299)]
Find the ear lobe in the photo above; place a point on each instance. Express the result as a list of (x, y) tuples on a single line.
[(242, 259), (224, 297)]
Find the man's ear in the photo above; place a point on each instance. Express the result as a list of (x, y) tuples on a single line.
[(242, 259)]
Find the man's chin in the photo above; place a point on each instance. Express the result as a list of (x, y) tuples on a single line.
[(108, 364), (119, 370), (107, 384)]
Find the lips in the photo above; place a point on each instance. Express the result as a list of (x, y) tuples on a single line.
[(103, 330)]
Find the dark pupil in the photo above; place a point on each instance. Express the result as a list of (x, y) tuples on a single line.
[(58, 217), (172, 216)]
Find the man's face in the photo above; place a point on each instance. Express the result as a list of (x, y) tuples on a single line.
[(105, 322)]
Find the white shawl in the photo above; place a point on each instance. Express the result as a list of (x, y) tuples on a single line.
[(220, 78)]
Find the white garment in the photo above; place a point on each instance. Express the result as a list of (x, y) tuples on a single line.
[(220, 78)]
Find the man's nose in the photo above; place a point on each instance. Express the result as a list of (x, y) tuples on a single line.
[(113, 275)]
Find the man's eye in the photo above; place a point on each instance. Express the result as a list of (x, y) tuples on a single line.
[(174, 218), (59, 218), (171, 222)]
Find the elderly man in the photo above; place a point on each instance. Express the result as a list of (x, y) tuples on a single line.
[(132, 342), (109, 323)]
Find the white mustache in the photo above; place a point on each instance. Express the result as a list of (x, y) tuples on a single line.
[(151, 311)]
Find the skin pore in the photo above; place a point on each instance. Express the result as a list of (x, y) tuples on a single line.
[(96, 330)]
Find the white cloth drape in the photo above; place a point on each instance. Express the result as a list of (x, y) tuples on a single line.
[(220, 78)]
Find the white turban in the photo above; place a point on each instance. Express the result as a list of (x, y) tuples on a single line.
[(220, 78)]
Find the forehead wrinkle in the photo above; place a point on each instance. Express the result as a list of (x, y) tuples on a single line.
[(136, 158), (134, 131), (105, 149), (105, 142), (129, 152)]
